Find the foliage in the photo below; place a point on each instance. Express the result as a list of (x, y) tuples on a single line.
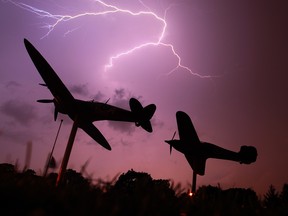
[(133, 193), (271, 198)]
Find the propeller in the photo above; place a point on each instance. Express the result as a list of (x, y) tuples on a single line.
[(49, 101), (55, 114), (45, 101), (170, 144)]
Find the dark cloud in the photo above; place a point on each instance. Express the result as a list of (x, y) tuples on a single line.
[(20, 111), (119, 93), (126, 143), (99, 96), (81, 89), (13, 84), (19, 136), (157, 122), (121, 99), (123, 127)]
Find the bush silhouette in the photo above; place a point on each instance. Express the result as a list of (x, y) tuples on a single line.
[(134, 193)]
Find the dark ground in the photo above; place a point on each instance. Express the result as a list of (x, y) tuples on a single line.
[(133, 193)]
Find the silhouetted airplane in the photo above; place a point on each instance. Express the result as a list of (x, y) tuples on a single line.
[(197, 152), (87, 111)]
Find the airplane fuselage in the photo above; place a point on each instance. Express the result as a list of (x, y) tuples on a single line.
[(247, 154), (96, 111)]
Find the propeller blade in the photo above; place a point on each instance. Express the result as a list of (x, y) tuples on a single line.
[(173, 135), (45, 101), (170, 144), (55, 114)]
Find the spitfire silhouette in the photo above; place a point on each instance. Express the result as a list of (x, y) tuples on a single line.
[(83, 113), (197, 152)]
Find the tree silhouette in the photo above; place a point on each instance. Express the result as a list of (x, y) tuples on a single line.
[(137, 193), (284, 194), (271, 198), (6, 168), (211, 200), (284, 199), (134, 193)]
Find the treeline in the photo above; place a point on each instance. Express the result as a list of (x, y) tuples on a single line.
[(133, 193)]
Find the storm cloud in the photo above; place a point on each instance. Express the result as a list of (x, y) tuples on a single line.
[(121, 99), (12, 84), (80, 89), (99, 96), (20, 111)]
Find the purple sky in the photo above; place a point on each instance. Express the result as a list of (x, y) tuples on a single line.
[(241, 45)]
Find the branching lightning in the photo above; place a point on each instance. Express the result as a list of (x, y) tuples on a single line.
[(112, 9)]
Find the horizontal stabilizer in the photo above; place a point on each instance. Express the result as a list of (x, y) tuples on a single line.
[(142, 115), (93, 132), (149, 111), (146, 125), (135, 105)]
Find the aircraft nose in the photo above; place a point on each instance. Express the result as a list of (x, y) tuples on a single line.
[(170, 143)]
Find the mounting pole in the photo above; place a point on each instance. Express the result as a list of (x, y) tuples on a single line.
[(67, 153), (51, 154), (194, 182)]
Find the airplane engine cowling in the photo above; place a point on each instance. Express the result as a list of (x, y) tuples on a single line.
[(248, 154), (142, 115)]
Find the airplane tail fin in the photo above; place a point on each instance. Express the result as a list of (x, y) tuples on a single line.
[(143, 115)]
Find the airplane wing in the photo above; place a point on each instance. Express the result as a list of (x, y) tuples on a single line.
[(93, 132), (197, 163), (187, 132), (188, 136), (53, 82)]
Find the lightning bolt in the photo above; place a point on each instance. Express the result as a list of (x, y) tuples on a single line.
[(112, 9)]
